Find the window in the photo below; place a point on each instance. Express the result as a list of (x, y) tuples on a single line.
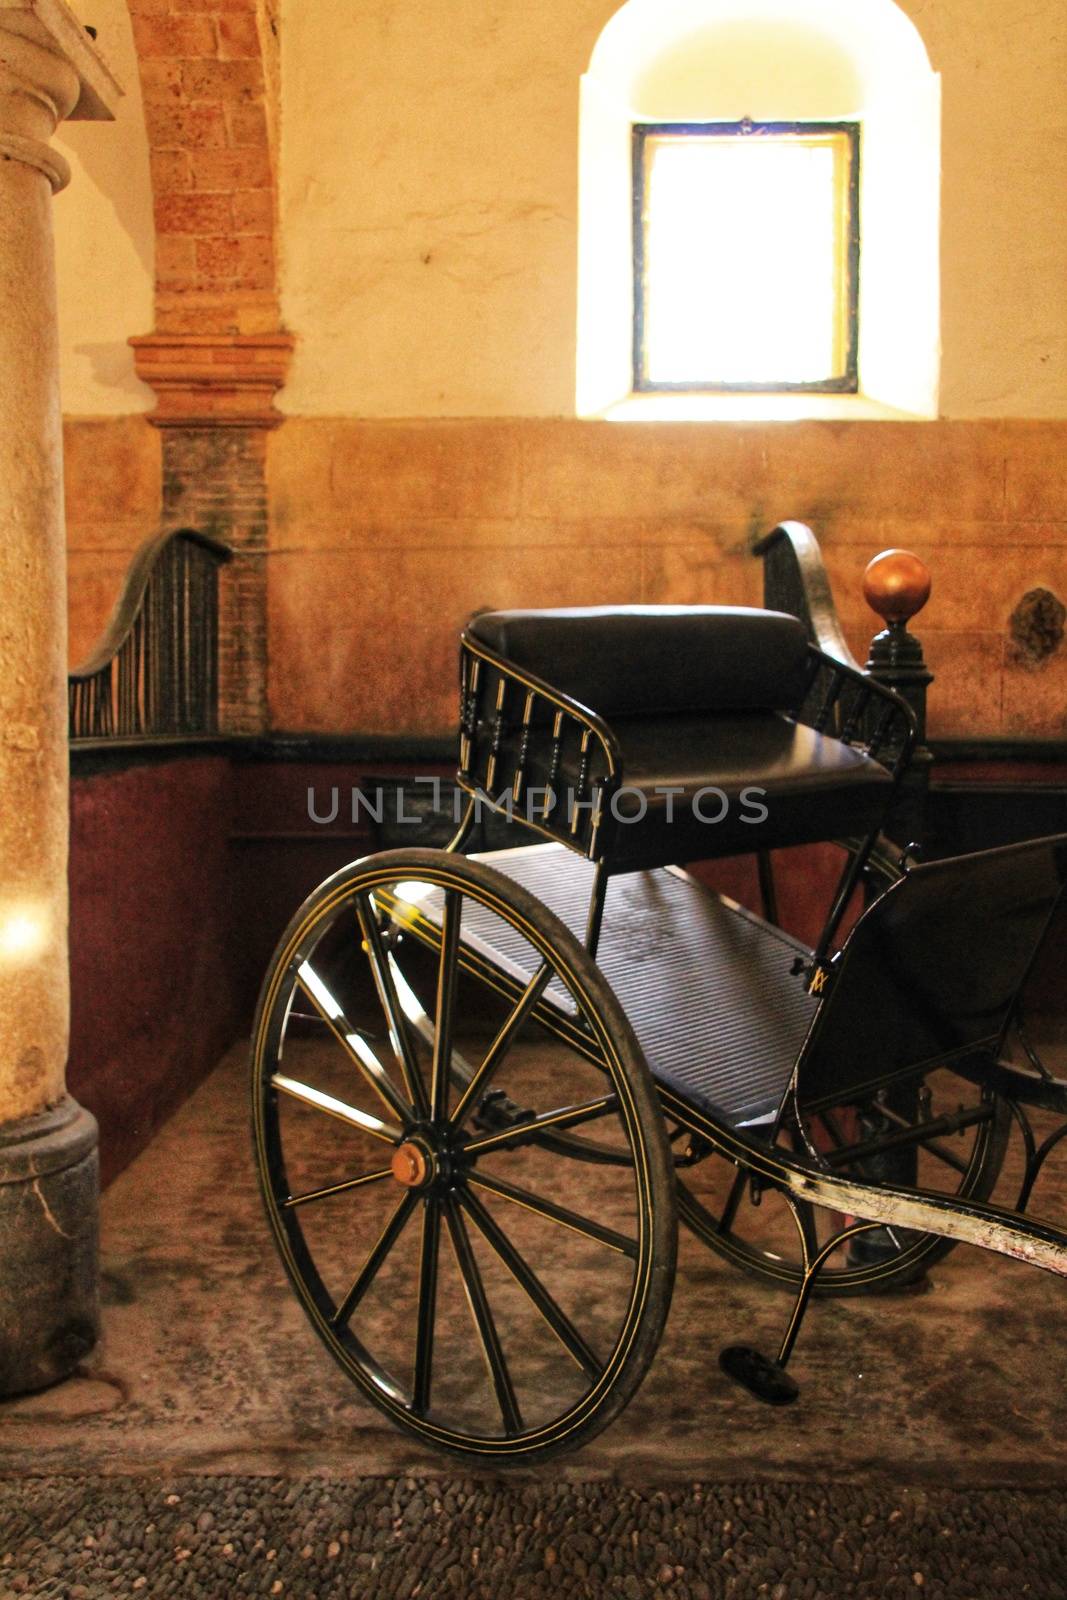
[(779, 255), (746, 256)]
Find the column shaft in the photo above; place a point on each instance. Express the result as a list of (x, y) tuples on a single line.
[(33, 755), (48, 1162)]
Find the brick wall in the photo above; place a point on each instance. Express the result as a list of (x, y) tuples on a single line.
[(213, 479)]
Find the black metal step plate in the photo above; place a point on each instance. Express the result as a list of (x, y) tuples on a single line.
[(706, 985)]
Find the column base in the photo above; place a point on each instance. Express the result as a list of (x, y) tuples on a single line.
[(49, 1238)]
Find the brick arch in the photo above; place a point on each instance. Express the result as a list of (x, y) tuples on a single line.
[(207, 91), (218, 353)]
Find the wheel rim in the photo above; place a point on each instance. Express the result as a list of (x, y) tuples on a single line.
[(443, 1254), (757, 1232)]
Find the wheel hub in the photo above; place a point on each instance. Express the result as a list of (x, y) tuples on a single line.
[(413, 1165)]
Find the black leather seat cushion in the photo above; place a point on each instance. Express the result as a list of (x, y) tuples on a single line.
[(643, 659), (811, 787)]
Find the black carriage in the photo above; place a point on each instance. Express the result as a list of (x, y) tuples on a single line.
[(487, 1087)]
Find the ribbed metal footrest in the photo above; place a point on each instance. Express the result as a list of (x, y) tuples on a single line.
[(706, 985)]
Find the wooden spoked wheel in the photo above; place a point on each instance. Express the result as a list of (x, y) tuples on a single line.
[(488, 1294), (757, 1231)]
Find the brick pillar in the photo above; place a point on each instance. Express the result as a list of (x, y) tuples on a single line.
[(213, 479), (218, 354), (215, 410)]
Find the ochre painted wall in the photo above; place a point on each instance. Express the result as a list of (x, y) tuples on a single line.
[(386, 536), (113, 484), (432, 464)]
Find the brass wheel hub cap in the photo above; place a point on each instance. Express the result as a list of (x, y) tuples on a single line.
[(412, 1165)]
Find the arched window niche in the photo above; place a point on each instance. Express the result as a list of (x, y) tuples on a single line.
[(692, 61)]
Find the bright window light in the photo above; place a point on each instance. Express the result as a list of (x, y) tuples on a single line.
[(746, 256)]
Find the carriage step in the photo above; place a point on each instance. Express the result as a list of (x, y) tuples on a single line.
[(766, 1379)]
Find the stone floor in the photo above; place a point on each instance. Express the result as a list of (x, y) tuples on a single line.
[(207, 1365)]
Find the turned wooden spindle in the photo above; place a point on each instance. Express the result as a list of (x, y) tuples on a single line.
[(896, 585)]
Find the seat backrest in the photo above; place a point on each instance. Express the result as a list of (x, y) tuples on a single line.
[(642, 660), (932, 970)]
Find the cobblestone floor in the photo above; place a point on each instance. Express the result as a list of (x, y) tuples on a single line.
[(398, 1538)]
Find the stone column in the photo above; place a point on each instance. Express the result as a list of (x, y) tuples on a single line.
[(49, 70)]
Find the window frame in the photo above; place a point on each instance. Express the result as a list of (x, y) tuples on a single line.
[(845, 383)]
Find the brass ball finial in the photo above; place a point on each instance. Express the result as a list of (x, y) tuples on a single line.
[(896, 584)]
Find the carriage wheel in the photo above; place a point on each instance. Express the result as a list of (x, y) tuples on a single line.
[(757, 1232), (490, 1296)]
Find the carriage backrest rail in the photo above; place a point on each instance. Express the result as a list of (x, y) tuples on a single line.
[(514, 729), (540, 750)]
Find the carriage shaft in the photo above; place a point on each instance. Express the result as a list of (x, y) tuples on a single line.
[(991, 1227)]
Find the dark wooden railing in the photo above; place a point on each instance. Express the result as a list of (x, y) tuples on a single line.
[(795, 580), (155, 672)]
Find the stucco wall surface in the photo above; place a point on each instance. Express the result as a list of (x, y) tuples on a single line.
[(105, 237), (429, 204)]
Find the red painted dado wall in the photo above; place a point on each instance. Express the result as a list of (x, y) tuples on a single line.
[(184, 871), (155, 997)]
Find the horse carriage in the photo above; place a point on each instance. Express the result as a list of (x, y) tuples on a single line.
[(488, 1087)]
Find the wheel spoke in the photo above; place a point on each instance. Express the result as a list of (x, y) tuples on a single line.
[(527, 1279), (446, 998), (564, 1117), (352, 1041), (503, 1041), (373, 1264), (337, 1108), (483, 1321), (399, 1036), (336, 1188), (556, 1213), (413, 1009), (427, 1315)]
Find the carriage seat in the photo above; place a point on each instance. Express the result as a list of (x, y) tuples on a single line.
[(700, 699)]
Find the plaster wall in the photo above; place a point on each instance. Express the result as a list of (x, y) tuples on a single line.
[(432, 462), (105, 238), (386, 536), (429, 219)]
